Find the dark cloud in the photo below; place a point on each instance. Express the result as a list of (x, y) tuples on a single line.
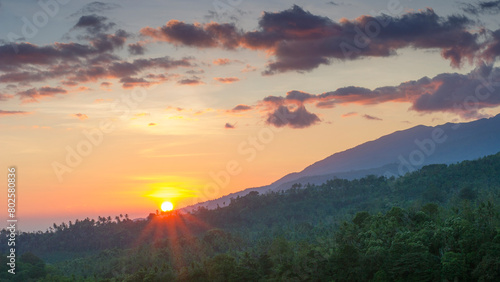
[(482, 7), (317, 40), (163, 62), (299, 96), (492, 49), (461, 94), (286, 26), (241, 108), (146, 81), (325, 104), (131, 82), (74, 63), (136, 49), (95, 7), (94, 24), (298, 118), (30, 54), (193, 72), (57, 57), (33, 94), (195, 35), (190, 81), (10, 113), (229, 126), (69, 83), (274, 99), (109, 42), (369, 117), (96, 33), (301, 41), (125, 70)]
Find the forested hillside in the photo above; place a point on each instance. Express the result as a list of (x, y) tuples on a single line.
[(438, 223)]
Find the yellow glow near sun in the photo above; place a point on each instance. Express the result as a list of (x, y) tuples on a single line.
[(167, 206), (161, 191)]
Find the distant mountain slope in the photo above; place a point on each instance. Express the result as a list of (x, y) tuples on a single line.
[(394, 154), (464, 141)]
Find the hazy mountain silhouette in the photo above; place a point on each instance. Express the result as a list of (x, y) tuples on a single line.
[(394, 154)]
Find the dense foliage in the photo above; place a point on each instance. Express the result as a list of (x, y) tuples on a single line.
[(438, 223)]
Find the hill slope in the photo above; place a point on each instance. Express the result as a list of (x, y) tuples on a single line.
[(394, 154)]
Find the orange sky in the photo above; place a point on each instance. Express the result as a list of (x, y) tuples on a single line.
[(109, 130)]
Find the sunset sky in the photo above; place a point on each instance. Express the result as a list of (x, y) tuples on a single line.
[(114, 107)]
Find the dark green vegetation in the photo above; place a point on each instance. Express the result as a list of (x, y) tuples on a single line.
[(436, 224)]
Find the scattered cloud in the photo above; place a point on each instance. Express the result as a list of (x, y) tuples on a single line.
[(226, 79), (248, 68), (222, 62), (195, 72), (229, 126), (131, 82), (106, 85), (240, 108), (151, 124), (369, 117), (190, 81), (80, 116), (136, 49), (225, 61), (298, 118)]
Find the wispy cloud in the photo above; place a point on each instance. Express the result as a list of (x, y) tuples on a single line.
[(369, 117), (482, 7), (350, 114), (11, 113)]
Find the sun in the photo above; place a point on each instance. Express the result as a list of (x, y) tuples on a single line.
[(167, 206)]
